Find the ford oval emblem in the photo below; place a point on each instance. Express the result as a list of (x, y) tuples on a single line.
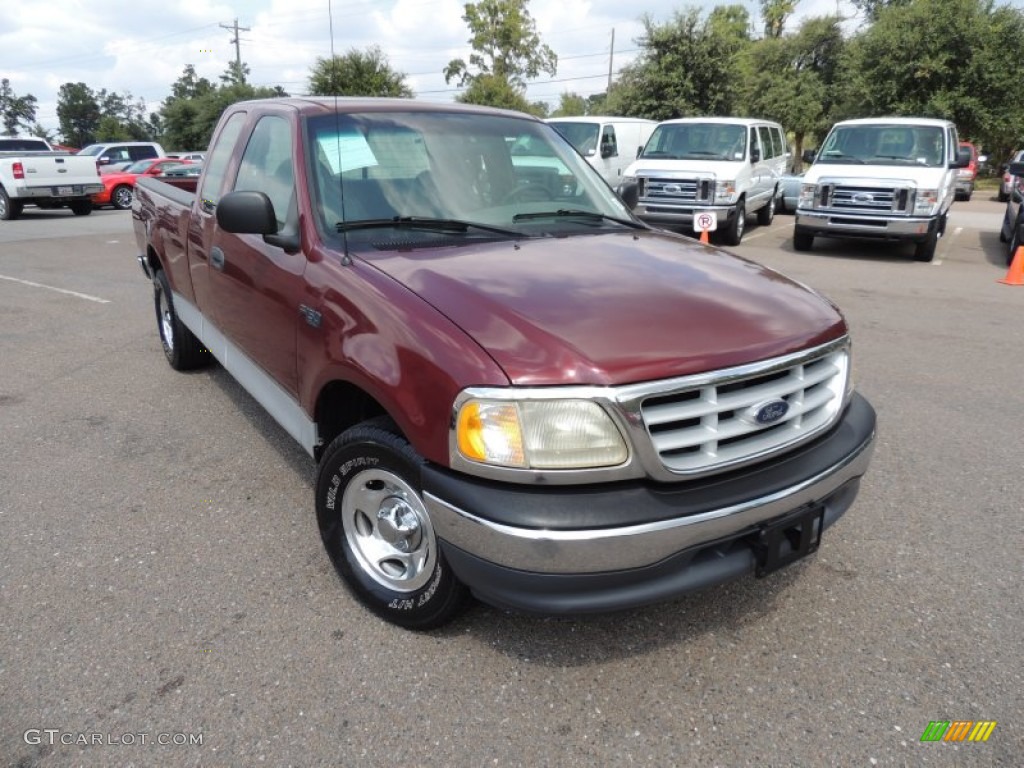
[(672, 189), (766, 413), (863, 197)]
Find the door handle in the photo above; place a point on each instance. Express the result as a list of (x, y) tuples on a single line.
[(217, 258)]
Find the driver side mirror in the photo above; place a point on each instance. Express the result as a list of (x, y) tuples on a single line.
[(252, 213), (629, 193), (963, 158), (608, 150), (808, 155)]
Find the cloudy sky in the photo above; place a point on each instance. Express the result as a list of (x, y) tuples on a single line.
[(141, 46)]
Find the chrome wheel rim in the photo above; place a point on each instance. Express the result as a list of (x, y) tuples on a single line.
[(3, 205), (388, 530), (166, 320), (123, 197), (741, 222)]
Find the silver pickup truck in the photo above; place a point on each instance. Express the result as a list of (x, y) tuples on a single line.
[(31, 173)]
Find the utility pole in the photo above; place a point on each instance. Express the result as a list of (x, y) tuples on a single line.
[(238, 48), (611, 55)]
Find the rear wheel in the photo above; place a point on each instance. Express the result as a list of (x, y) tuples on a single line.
[(376, 528), (181, 348), (121, 197), (802, 241), (81, 207), (9, 209)]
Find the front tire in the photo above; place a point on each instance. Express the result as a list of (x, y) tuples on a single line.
[(734, 232), (181, 348), (802, 241), (377, 531), (925, 250)]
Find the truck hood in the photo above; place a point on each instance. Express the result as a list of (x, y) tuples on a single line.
[(878, 175), (613, 308), (687, 168)]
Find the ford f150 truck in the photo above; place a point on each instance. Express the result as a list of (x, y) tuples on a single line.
[(31, 173), (888, 178), (512, 386)]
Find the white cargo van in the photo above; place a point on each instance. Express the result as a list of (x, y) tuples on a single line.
[(730, 166), (882, 178), (610, 144)]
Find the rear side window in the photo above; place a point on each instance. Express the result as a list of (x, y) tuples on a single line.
[(217, 165), (767, 150), (141, 152)]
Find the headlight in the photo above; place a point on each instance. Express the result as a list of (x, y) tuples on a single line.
[(538, 434), (725, 191), (806, 196), (925, 201)]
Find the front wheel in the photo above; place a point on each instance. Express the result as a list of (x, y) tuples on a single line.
[(802, 241), (925, 250), (377, 531), (734, 232)]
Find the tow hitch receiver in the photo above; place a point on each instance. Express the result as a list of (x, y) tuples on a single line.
[(789, 539)]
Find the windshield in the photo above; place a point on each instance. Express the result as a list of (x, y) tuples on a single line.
[(141, 166), (95, 149), (884, 144), (484, 171), (697, 141), (583, 136)]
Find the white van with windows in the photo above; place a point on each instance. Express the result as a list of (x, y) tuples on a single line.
[(609, 144), (730, 166)]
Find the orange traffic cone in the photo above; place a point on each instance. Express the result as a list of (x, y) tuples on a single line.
[(704, 237), (1015, 274)]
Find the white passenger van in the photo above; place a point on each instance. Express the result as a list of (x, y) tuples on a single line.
[(730, 166), (610, 144), (882, 178)]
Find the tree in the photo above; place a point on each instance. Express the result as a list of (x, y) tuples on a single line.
[(872, 8), (78, 113), (570, 105), (775, 14), (357, 73), (15, 111), (940, 58), (506, 52), (688, 66)]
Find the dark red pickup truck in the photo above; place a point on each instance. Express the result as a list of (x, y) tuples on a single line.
[(512, 386)]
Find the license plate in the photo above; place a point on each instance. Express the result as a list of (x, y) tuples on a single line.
[(787, 540), (65, 191)]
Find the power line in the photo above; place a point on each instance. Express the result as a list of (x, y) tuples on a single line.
[(236, 41)]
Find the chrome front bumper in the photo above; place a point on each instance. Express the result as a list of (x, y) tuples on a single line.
[(839, 224)]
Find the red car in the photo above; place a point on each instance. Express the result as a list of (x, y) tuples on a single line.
[(965, 176), (119, 188)]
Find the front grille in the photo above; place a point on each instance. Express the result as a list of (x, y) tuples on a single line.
[(869, 199), (712, 426), (676, 190)]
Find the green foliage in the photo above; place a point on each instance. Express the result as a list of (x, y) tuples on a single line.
[(87, 117), (689, 66), (188, 116), (15, 111), (775, 13), (941, 58), (357, 73), (506, 52), (570, 105), (79, 114)]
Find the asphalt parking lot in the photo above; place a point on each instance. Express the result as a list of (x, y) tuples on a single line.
[(162, 581)]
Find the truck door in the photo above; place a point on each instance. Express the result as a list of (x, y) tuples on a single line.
[(256, 288)]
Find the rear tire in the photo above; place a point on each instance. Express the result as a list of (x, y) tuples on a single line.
[(766, 214), (121, 197), (181, 348), (376, 529), (802, 241), (9, 209), (81, 207), (1015, 242)]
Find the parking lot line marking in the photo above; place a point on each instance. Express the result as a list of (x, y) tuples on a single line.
[(85, 296), (956, 233)]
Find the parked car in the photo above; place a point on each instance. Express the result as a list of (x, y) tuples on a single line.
[(610, 144), (789, 195), (119, 187), (182, 170), (123, 151), (728, 166), (1012, 231), (525, 394), (965, 177), (1006, 179), (32, 173), (193, 157)]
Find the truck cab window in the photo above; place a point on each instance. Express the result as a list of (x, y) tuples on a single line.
[(267, 166), (217, 164)]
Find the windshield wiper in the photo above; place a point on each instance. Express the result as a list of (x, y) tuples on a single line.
[(572, 212), (423, 222)]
